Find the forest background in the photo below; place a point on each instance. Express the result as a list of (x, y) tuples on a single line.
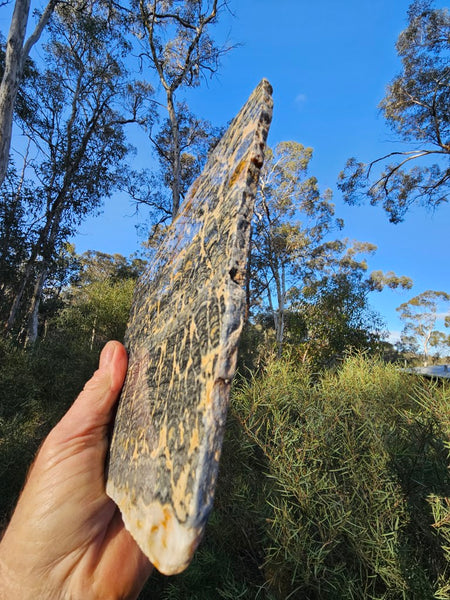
[(351, 502)]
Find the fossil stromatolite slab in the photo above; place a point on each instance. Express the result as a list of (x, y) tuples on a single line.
[(182, 338)]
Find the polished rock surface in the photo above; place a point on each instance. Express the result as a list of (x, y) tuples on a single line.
[(182, 339)]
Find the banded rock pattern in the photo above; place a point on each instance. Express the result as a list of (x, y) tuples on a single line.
[(182, 339)]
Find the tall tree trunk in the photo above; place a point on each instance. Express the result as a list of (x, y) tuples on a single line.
[(156, 16), (47, 235), (280, 311), (32, 321), (18, 298), (176, 166), (11, 78), (11, 217), (425, 345), (15, 56), (43, 270), (49, 232)]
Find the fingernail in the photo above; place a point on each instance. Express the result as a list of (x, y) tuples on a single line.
[(107, 354)]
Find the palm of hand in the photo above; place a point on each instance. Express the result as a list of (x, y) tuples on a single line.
[(66, 536)]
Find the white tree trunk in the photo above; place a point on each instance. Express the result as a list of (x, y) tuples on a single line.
[(33, 318), (11, 78), (15, 56)]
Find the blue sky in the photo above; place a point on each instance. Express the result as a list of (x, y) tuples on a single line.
[(329, 63)]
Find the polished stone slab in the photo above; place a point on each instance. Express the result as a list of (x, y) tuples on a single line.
[(182, 339)]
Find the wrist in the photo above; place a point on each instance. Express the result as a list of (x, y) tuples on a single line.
[(9, 587), (18, 580)]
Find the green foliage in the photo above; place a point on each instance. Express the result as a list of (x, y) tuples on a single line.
[(78, 106), (98, 313), (334, 303), (334, 526), (38, 384), (416, 108), (436, 399), (441, 513), (298, 275), (95, 308), (36, 388), (20, 423), (329, 488), (178, 46), (292, 218), (327, 314), (196, 138), (227, 563), (14, 242), (420, 315)]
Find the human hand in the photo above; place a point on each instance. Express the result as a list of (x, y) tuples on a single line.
[(66, 539)]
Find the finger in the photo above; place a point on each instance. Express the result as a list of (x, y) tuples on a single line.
[(93, 408), (115, 359)]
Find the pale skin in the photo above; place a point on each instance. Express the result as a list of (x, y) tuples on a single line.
[(66, 539)]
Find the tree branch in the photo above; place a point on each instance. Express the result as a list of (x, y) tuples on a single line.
[(39, 28)]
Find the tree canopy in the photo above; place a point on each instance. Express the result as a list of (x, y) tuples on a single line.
[(416, 109), (420, 314), (175, 40), (312, 289), (76, 109)]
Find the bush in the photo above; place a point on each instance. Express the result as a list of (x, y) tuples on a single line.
[(36, 388), (352, 461), (329, 488)]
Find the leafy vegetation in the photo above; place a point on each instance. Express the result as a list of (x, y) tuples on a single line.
[(330, 488), (416, 109), (420, 315)]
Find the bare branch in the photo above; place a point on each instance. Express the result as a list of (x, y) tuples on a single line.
[(34, 37)]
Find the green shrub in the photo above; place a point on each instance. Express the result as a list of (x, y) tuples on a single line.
[(20, 423), (352, 460), (330, 487), (441, 513), (36, 388)]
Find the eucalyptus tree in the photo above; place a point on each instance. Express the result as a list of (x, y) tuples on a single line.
[(79, 106), (196, 138), (153, 189), (15, 195), (416, 109), (420, 315), (298, 273), (17, 50), (96, 303), (174, 37), (291, 221), (334, 301)]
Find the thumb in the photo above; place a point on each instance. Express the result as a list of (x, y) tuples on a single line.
[(94, 406)]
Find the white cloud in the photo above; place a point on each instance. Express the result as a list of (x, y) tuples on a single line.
[(300, 99), (394, 337), (442, 316)]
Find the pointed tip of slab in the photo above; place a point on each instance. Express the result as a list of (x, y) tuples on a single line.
[(266, 83), (167, 543)]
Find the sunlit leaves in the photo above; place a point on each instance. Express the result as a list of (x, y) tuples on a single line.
[(420, 314), (416, 108)]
